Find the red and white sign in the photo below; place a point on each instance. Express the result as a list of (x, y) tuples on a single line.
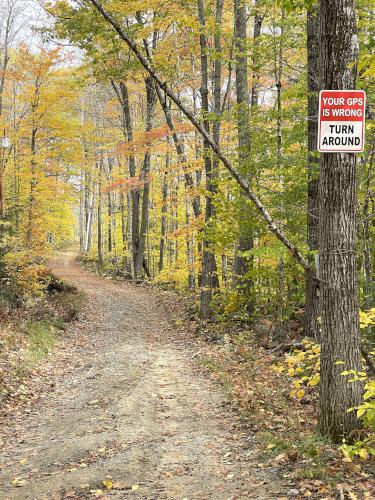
[(341, 121)]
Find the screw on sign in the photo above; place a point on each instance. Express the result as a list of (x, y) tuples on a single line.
[(341, 121)]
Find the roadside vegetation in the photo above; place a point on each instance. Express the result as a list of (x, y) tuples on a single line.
[(29, 331)]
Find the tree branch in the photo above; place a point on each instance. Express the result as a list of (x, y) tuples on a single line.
[(295, 252)]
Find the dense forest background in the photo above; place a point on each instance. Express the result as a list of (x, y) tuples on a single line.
[(95, 151)]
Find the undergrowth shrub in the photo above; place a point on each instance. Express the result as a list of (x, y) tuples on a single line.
[(302, 366), (23, 278)]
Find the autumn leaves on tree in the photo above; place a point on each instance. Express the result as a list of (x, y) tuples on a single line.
[(185, 146)]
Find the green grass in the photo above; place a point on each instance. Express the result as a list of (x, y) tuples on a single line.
[(41, 337), (33, 331), (308, 446), (43, 334), (313, 448)]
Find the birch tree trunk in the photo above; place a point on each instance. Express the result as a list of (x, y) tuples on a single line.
[(100, 212), (337, 235), (81, 215), (89, 213)]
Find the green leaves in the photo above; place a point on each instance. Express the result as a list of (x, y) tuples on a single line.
[(292, 5)]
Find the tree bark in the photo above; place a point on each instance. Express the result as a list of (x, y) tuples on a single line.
[(123, 97), (209, 280), (278, 82), (144, 177), (243, 264), (33, 184), (124, 223), (100, 210), (89, 212), (81, 215), (368, 256), (312, 290), (164, 215), (258, 21), (110, 209), (337, 235), (2, 157)]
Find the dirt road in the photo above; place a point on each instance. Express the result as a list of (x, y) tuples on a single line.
[(124, 405)]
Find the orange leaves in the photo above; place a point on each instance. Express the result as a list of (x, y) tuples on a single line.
[(195, 224), (143, 141), (127, 185)]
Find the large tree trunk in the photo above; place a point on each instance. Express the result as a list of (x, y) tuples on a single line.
[(209, 280), (368, 219), (278, 82), (144, 177), (123, 96), (337, 235), (243, 264), (217, 108), (312, 291), (88, 202)]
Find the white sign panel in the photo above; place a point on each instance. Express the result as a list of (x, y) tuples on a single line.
[(341, 121)]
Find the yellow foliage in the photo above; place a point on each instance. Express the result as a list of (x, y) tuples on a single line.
[(303, 367)]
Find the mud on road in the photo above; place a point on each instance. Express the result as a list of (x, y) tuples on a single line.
[(125, 405)]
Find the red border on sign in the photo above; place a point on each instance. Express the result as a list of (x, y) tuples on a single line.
[(340, 150)]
